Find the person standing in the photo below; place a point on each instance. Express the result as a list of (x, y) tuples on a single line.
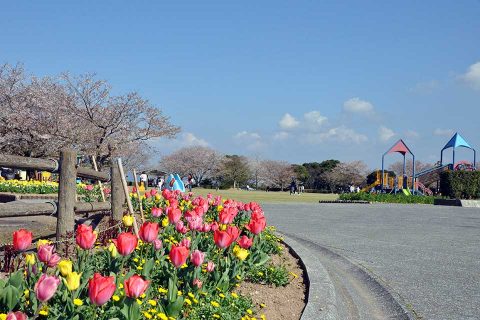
[(190, 182), (144, 179), (160, 183)]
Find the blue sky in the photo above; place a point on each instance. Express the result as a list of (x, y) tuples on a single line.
[(291, 80)]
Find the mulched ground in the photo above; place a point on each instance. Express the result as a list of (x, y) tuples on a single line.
[(280, 302)]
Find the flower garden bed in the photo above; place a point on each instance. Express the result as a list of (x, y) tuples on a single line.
[(194, 258)]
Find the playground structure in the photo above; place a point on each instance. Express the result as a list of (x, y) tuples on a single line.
[(412, 184)]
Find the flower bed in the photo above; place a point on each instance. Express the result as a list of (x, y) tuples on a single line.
[(389, 198), (189, 256)]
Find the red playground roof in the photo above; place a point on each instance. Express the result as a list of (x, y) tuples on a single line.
[(399, 147)]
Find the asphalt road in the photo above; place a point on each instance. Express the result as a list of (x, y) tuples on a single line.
[(427, 256)]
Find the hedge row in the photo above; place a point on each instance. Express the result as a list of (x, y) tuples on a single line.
[(389, 198), (460, 184)]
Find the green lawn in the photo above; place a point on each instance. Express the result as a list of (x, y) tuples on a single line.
[(266, 197)]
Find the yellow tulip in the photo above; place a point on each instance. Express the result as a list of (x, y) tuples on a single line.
[(113, 250), (127, 220), (240, 253), (30, 259), (65, 267), (165, 222), (72, 281), (42, 242)]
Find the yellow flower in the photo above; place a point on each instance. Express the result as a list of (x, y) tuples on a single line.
[(139, 301), (180, 292), (65, 267), (77, 302), (112, 249), (152, 302), (143, 295), (115, 298), (162, 290), (188, 301), (165, 222), (263, 305), (147, 315), (127, 220), (216, 316), (72, 281), (240, 253), (44, 311), (157, 197), (262, 316), (223, 227), (249, 311), (234, 295), (26, 292), (3, 316), (219, 208), (215, 304), (42, 242), (30, 259), (162, 316), (191, 295), (120, 285), (221, 295)]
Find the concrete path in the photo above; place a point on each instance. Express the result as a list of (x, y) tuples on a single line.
[(426, 257)]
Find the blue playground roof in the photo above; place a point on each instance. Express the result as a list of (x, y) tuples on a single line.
[(457, 141)]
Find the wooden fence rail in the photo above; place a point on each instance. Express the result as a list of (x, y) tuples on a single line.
[(66, 206)]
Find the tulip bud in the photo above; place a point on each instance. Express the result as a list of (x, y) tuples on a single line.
[(30, 259), (65, 267), (22, 239), (72, 281), (210, 266), (157, 244), (46, 287), (127, 220)]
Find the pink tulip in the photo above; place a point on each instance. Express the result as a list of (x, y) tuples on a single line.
[(206, 227), (46, 255), (157, 212), (135, 286), (174, 214), (17, 315), (195, 223), (210, 266), (214, 226), (157, 244), (46, 287), (89, 187), (197, 258), (185, 242), (153, 192), (197, 283)]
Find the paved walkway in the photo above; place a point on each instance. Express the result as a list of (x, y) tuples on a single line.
[(427, 256)]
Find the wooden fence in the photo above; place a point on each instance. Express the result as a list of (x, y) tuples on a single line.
[(66, 206)]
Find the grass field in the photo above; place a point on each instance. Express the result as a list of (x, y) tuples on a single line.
[(266, 197)]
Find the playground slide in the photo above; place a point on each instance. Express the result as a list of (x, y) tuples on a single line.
[(421, 173), (369, 187), (406, 192)]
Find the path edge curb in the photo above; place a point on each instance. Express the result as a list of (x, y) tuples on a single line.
[(321, 301)]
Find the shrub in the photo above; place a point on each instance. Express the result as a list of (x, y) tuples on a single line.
[(460, 184)]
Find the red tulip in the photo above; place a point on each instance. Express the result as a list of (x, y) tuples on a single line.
[(153, 192), (85, 237), (174, 214), (46, 287), (233, 231), (245, 242), (100, 289), (214, 226), (148, 231), (147, 194), (89, 187), (126, 242), (135, 286), (134, 190), (197, 258), (17, 315), (222, 239), (257, 225), (178, 255), (46, 255), (166, 193), (22, 239), (227, 215)]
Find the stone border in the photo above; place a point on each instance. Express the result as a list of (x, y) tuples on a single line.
[(321, 301), (457, 203), (345, 201)]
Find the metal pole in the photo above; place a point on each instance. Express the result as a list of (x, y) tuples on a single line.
[(383, 158), (453, 160), (413, 177)]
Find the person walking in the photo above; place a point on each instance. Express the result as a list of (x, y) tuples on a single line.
[(144, 179)]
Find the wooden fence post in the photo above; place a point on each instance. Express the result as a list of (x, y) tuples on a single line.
[(67, 190), (117, 193)]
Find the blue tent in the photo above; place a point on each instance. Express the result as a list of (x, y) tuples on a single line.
[(457, 141)]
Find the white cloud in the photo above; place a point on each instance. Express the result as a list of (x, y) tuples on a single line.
[(188, 139), (338, 134), (251, 140), (443, 132), (425, 87), (357, 105), (472, 76), (314, 119), (282, 135), (385, 133), (288, 122), (412, 134)]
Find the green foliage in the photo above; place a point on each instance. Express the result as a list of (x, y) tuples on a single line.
[(269, 274), (235, 169), (460, 184), (315, 171), (389, 198), (222, 305)]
